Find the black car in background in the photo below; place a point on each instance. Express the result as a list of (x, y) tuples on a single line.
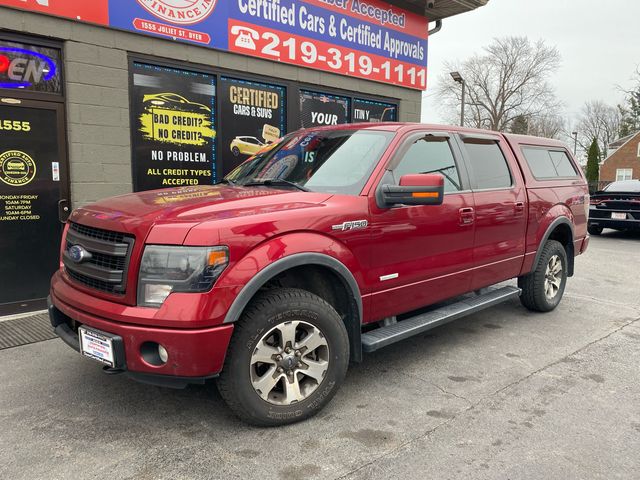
[(617, 206)]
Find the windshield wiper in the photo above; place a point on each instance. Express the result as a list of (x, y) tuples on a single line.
[(274, 182)]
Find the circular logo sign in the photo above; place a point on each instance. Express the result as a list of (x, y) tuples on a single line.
[(183, 12), (16, 168)]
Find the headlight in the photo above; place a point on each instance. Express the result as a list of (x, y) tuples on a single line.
[(165, 269)]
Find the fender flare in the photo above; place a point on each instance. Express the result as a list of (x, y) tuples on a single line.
[(547, 234), (286, 263)]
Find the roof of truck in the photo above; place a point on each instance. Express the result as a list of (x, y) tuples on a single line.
[(397, 126)]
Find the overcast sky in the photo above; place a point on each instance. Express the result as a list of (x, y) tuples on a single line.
[(599, 42)]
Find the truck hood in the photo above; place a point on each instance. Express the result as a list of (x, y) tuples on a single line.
[(176, 211)]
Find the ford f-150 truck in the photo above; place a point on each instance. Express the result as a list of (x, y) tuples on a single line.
[(328, 243)]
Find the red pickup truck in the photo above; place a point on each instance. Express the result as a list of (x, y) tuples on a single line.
[(329, 243)]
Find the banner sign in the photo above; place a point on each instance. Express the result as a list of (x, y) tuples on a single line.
[(92, 11), (29, 67), (367, 39), (254, 116), (372, 111), (173, 121), (320, 109)]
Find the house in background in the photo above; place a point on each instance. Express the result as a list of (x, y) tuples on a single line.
[(623, 162)]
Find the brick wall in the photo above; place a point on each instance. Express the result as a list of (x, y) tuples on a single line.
[(98, 99), (624, 157)]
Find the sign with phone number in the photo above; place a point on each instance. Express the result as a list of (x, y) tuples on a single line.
[(362, 38), (298, 50), (368, 39)]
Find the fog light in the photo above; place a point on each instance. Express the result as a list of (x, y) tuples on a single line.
[(163, 354), (154, 354)]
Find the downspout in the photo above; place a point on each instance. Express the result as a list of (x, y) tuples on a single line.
[(436, 29)]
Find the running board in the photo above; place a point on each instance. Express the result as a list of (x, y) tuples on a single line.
[(383, 336)]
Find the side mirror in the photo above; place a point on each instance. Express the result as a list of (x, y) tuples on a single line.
[(416, 189)]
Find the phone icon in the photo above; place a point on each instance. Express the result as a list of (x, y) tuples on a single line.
[(245, 37)]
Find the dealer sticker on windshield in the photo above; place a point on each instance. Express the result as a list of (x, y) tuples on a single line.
[(96, 346)]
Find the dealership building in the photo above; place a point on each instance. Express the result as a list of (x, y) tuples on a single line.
[(105, 97)]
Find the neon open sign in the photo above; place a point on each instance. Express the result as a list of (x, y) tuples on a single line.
[(20, 68)]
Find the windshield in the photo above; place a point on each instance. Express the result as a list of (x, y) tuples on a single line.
[(320, 161)]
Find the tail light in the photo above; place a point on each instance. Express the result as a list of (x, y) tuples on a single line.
[(587, 201)]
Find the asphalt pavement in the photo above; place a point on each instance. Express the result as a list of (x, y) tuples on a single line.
[(504, 394)]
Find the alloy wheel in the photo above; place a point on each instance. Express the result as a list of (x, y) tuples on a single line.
[(289, 362), (553, 277)]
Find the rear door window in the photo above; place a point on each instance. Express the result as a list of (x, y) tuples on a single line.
[(489, 169), (548, 164)]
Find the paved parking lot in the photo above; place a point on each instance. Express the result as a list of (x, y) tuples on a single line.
[(502, 394)]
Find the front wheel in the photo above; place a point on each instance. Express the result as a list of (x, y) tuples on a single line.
[(287, 357), (543, 288)]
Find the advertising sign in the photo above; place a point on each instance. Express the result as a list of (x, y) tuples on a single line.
[(29, 67), (372, 111), (320, 109), (254, 116), (173, 123), (93, 11), (368, 39)]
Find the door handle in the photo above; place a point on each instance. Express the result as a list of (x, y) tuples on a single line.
[(467, 216), (519, 207), (63, 210)]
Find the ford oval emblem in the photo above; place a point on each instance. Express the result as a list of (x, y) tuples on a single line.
[(78, 254)]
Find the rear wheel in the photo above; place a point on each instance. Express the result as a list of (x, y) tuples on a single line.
[(235, 151), (287, 357), (543, 288), (594, 230)]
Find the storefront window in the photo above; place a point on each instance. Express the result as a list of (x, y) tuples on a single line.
[(173, 122), (372, 111), (252, 115), (319, 109), (30, 68)]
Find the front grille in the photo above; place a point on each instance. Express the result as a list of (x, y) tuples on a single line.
[(104, 261), (92, 282), (98, 233)]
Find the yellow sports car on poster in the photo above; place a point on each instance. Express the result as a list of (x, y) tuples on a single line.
[(246, 146), (173, 101)]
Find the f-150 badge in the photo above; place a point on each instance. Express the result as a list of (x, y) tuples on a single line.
[(350, 225)]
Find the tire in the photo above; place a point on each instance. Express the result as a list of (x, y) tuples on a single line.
[(235, 151), (543, 288), (263, 393), (594, 230)]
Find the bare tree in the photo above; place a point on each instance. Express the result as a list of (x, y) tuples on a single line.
[(549, 125), (508, 79), (630, 109), (600, 121)]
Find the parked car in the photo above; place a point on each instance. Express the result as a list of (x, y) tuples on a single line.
[(322, 248), (616, 206), (246, 146)]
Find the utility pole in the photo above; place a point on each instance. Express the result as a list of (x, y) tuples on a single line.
[(575, 142)]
